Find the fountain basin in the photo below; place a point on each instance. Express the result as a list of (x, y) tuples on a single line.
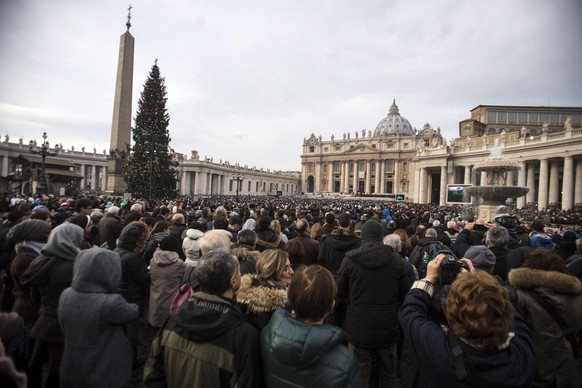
[(495, 195), (496, 164)]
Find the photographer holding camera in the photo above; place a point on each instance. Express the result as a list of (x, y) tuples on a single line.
[(486, 343)]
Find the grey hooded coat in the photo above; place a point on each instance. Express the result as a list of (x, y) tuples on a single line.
[(91, 313)]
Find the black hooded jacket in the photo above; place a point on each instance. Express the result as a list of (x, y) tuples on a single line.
[(207, 343), (334, 248), (134, 286), (373, 281)]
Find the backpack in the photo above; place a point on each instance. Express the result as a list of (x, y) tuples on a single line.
[(427, 251), (184, 293)]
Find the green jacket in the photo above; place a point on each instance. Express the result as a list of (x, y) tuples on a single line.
[(206, 344), (297, 354)]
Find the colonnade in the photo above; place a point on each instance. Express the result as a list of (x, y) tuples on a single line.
[(552, 182), (348, 175), (208, 182), (94, 177)]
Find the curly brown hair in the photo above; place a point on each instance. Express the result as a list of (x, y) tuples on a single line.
[(479, 311), (546, 260)]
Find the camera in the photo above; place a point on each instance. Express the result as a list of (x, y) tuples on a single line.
[(450, 268)]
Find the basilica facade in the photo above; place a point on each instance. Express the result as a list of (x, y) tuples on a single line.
[(397, 161)]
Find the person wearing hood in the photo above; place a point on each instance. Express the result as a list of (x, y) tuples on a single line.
[(166, 272), (51, 273), (191, 243), (372, 281), (29, 237), (337, 244), (91, 313), (262, 293), (207, 343), (297, 349), (544, 273), (135, 280)]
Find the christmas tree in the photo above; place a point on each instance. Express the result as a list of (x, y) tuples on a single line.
[(150, 172)]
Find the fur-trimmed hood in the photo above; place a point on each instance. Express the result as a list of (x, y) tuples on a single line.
[(260, 297), (561, 283)]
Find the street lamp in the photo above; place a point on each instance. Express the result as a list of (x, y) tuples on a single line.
[(238, 178), (43, 151)]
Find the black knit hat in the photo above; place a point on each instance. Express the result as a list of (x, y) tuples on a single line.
[(170, 243), (372, 230)]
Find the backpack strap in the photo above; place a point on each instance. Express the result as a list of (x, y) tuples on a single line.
[(455, 345), (463, 366)]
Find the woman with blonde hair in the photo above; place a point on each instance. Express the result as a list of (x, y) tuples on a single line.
[(405, 240), (315, 231), (262, 293), (276, 228)]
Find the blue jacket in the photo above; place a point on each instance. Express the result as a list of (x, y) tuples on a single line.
[(297, 354), (541, 240)]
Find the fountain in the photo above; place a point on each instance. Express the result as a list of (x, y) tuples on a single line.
[(496, 191)]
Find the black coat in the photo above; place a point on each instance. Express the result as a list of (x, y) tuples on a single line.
[(373, 281), (334, 248), (513, 366)]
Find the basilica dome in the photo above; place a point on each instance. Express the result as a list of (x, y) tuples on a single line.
[(393, 124)]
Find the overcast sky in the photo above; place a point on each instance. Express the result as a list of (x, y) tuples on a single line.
[(248, 80)]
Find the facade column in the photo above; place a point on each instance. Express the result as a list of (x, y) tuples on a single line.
[(4, 165), (521, 183), (368, 188), (443, 186), (382, 169), (345, 175), (554, 182), (94, 177), (531, 183), (467, 177), (318, 177), (483, 178), (567, 180), (103, 178), (330, 179), (509, 178), (377, 178), (201, 182), (578, 183), (397, 180), (355, 179), (422, 189), (186, 182), (543, 185), (83, 179)]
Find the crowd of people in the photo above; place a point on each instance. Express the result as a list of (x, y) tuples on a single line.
[(286, 292)]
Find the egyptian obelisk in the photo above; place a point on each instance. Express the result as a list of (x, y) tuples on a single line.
[(121, 126)]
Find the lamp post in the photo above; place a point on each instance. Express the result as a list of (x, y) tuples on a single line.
[(238, 178), (43, 151)]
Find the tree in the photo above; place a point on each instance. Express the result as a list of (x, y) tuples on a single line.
[(150, 171)]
